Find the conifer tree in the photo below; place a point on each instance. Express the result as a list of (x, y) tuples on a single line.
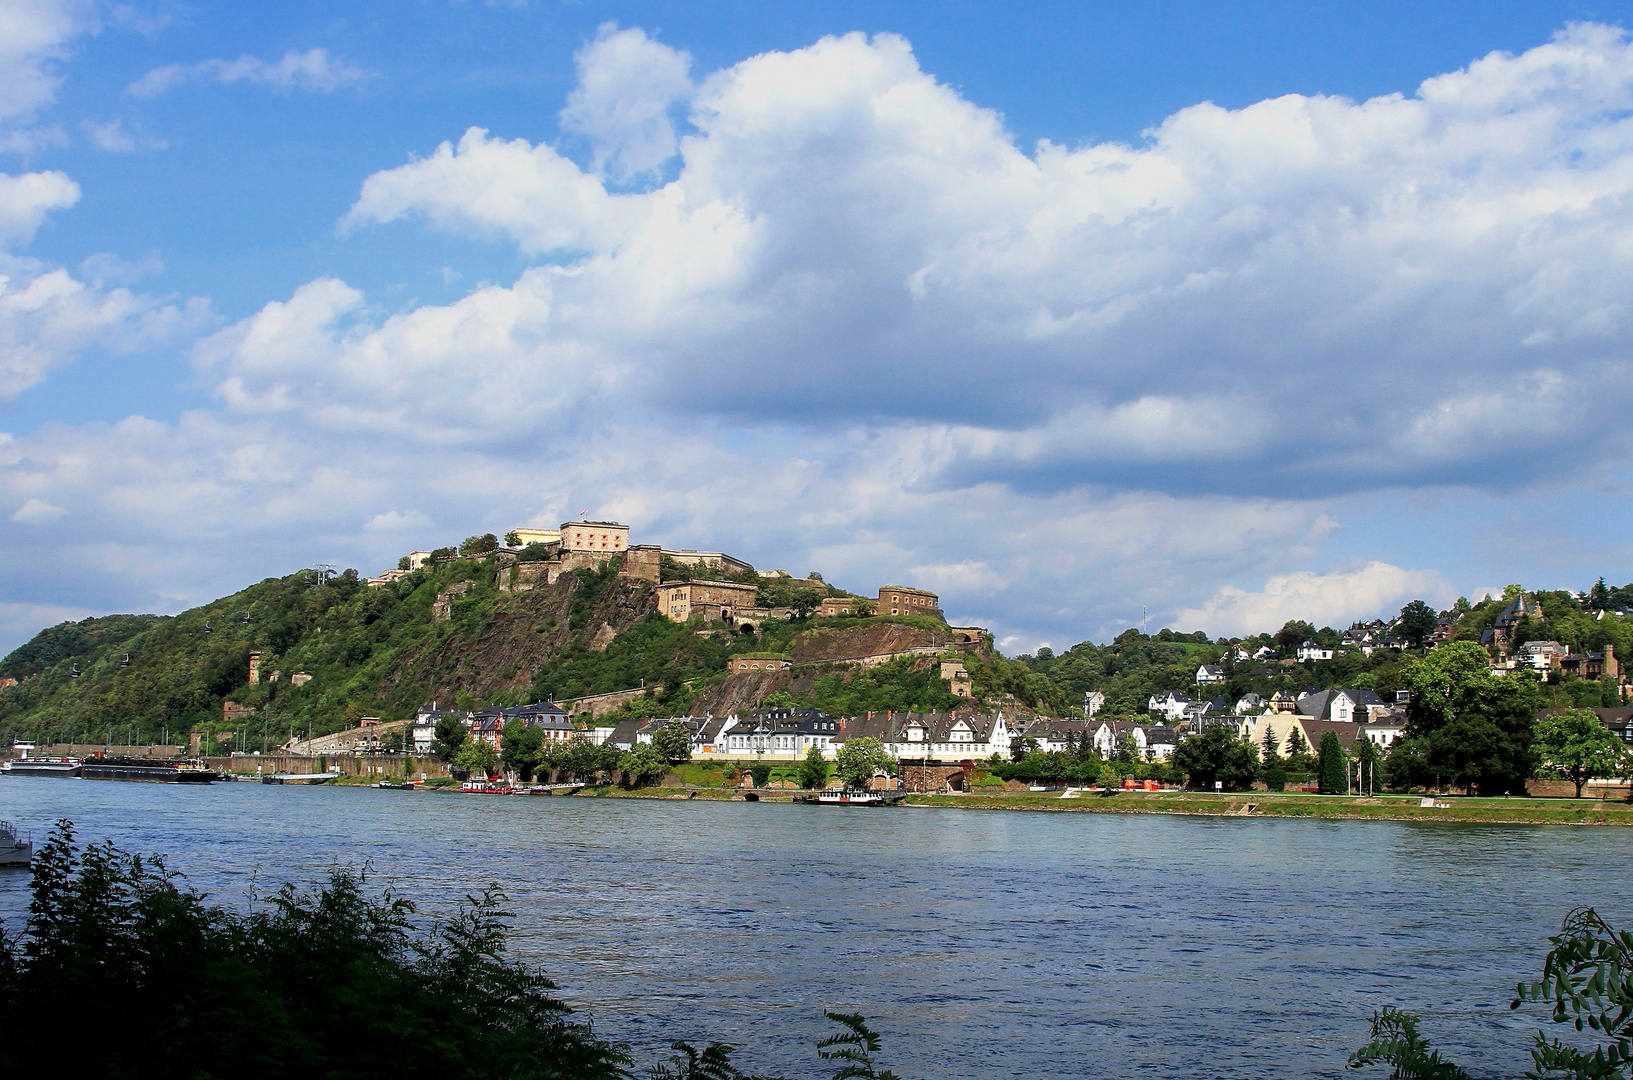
[(1330, 766)]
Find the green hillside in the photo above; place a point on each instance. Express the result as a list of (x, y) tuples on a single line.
[(380, 651)]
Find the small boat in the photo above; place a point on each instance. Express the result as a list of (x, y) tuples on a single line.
[(14, 851), (394, 785), (23, 765), (849, 797), (486, 787)]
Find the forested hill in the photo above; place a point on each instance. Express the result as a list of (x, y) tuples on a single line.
[(382, 651), (375, 651)]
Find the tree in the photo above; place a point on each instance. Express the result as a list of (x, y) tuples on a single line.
[(1267, 747), (582, 759), (521, 748), (813, 771), (476, 758), (1416, 622), (643, 763), (450, 733), (1021, 747), (1219, 753), (859, 760), (479, 545), (673, 742), (1294, 632), (1475, 727), (1577, 745), (512, 539), (1297, 748), (1330, 770)]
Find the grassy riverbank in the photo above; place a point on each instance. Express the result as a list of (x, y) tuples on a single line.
[(1503, 811), (1337, 807)]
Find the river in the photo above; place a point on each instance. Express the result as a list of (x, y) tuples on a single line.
[(982, 944)]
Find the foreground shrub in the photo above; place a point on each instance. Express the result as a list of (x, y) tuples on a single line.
[(122, 971), (1587, 982), (331, 981)]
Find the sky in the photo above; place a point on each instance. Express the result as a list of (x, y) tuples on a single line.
[(1082, 315)]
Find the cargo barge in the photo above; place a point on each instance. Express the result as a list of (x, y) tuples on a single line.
[(145, 769)]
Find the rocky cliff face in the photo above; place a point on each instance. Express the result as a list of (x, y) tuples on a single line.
[(868, 639), (524, 631)]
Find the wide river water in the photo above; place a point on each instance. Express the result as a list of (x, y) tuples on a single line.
[(982, 944)]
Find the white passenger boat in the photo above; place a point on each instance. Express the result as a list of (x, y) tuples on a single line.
[(23, 765), (847, 797)]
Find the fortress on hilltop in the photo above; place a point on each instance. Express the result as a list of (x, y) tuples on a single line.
[(727, 590)]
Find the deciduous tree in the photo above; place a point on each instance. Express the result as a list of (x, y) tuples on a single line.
[(813, 771), (1416, 622), (642, 764), (520, 748), (859, 760), (476, 758), (1577, 745), (1221, 754), (1475, 727), (673, 742), (450, 733)]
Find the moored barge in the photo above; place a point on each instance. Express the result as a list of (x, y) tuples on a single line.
[(145, 769)]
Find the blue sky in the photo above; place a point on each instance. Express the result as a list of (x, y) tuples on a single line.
[(980, 297)]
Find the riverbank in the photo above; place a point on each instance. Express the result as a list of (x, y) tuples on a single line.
[(1497, 811)]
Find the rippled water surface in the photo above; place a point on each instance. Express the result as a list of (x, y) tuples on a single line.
[(983, 944)]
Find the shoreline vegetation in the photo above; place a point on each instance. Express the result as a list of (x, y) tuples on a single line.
[(1452, 808)]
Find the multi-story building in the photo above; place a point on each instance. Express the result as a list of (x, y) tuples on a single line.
[(607, 537), (901, 600), (933, 737), (680, 600), (783, 732)]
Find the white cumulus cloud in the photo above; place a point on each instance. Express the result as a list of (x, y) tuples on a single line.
[(26, 200), (627, 84), (1308, 295), (314, 70), (1376, 590), (47, 317)]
